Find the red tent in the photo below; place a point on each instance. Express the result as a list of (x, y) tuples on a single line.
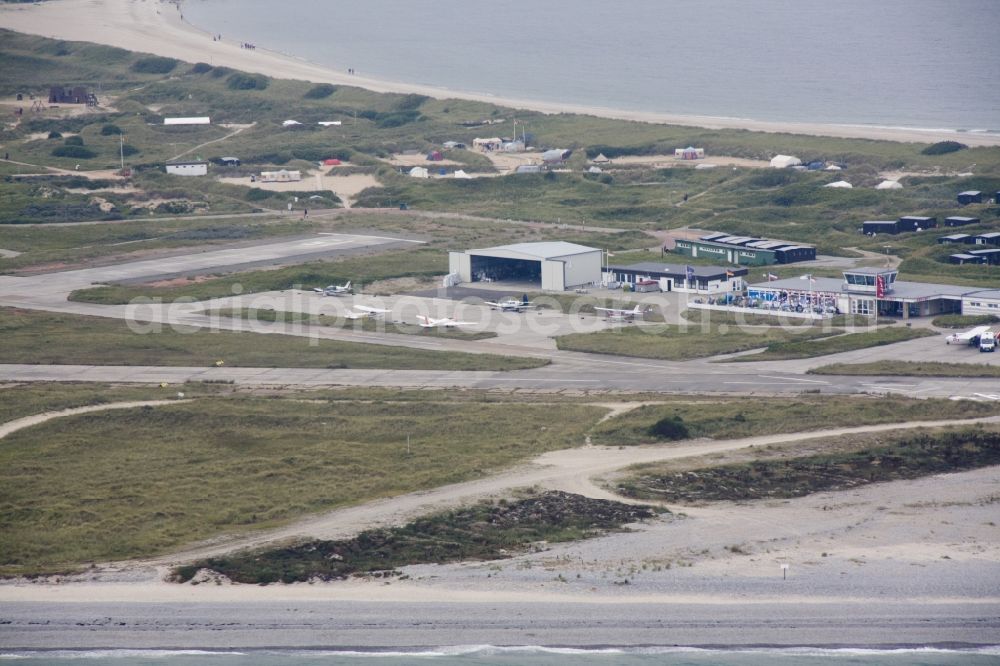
[(435, 156), (333, 161)]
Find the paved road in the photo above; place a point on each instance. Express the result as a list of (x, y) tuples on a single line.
[(567, 377)]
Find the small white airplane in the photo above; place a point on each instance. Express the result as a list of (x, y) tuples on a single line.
[(364, 312), (970, 337), (446, 322), (511, 305), (333, 289), (618, 314)]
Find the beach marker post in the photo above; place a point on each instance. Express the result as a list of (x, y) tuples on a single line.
[(784, 571)]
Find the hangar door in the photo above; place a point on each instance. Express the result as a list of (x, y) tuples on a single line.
[(553, 276), (505, 269)]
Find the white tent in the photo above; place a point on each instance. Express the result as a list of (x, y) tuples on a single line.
[(889, 185), (462, 174), (419, 172), (843, 184), (785, 161), (600, 159), (595, 169), (832, 167)]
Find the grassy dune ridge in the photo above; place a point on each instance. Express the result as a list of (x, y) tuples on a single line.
[(847, 463), (488, 530), (748, 417)]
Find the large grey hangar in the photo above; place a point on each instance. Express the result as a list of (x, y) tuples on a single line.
[(557, 265)]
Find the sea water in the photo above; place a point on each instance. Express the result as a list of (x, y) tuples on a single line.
[(908, 63), (523, 656)]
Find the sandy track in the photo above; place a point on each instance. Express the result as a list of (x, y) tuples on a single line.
[(35, 419), (570, 470)]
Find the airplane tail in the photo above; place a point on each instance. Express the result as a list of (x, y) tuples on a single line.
[(348, 285)]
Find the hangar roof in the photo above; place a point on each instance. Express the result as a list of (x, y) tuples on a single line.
[(539, 251)]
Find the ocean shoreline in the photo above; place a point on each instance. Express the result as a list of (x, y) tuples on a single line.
[(159, 28), (377, 627)]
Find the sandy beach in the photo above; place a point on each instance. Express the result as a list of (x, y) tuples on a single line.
[(157, 27), (907, 562)]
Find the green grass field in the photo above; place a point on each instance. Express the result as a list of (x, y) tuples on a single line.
[(675, 343), (129, 483), (747, 417), (909, 369), (50, 338), (21, 400), (780, 351)]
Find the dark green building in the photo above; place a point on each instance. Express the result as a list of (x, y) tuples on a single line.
[(744, 250)]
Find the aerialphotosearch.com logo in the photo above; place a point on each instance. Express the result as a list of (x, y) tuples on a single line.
[(314, 316)]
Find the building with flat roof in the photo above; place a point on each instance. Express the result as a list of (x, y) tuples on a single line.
[(860, 290), (746, 250), (960, 221), (678, 277), (970, 196), (961, 239), (961, 258), (556, 265), (985, 301), (198, 168)]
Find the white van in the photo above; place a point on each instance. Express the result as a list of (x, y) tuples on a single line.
[(988, 341)]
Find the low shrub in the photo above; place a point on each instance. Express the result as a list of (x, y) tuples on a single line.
[(110, 130), (943, 147), (74, 141), (963, 321), (669, 427), (78, 152), (240, 81), (321, 91), (154, 65), (201, 68)]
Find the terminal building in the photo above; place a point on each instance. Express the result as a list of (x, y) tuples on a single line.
[(676, 277), (858, 293), (745, 250), (555, 265)]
